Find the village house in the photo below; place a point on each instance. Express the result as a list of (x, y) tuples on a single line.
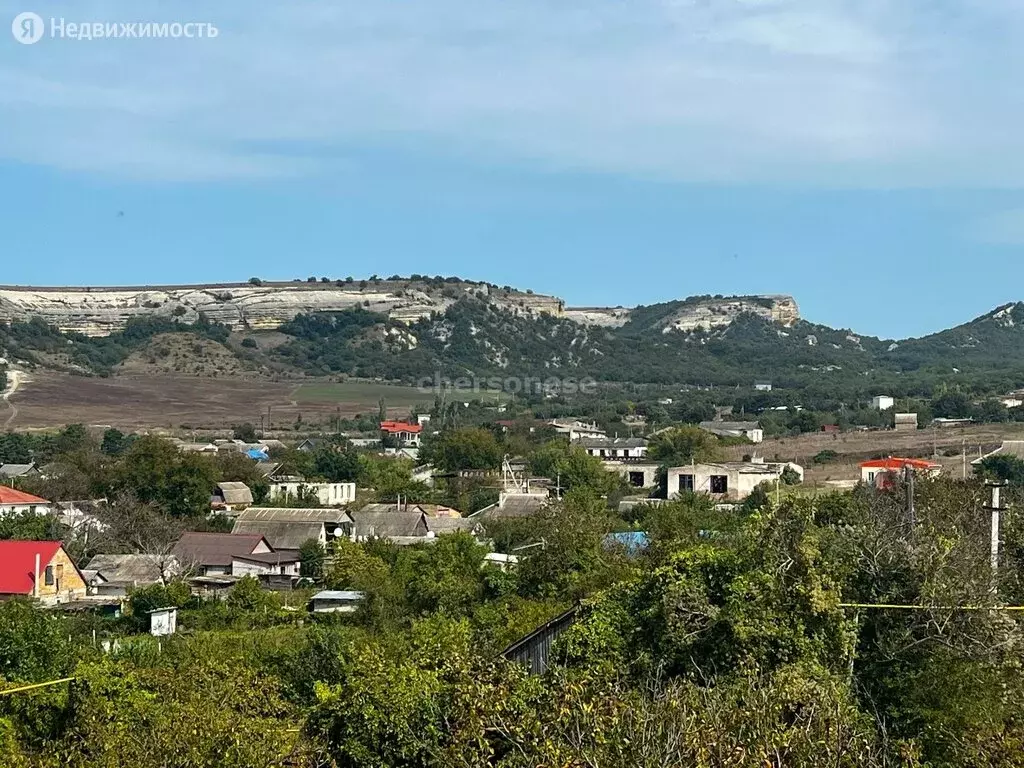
[(763, 386), (751, 430), (15, 502), (905, 422), (41, 570), (728, 481), (402, 527), (114, 575), (882, 402), (328, 494), (231, 497), (638, 474), (231, 554), (14, 471), (514, 504), (621, 448), (406, 435), (882, 472), (286, 530), (576, 429)]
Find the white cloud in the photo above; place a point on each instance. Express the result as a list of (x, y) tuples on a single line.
[(875, 93)]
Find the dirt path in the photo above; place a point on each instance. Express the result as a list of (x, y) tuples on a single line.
[(14, 380)]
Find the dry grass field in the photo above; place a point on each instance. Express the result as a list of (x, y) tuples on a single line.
[(172, 402), (945, 446)]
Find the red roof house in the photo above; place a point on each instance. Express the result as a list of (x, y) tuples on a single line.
[(404, 432), (13, 501), (398, 427), (58, 577), (881, 472)]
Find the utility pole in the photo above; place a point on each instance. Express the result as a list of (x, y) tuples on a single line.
[(908, 473), (963, 456), (995, 508)]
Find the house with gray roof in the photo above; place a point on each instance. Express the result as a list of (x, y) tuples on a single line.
[(13, 471), (751, 430), (114, 575)]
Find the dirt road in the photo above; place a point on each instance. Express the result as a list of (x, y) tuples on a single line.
[(14, 380)]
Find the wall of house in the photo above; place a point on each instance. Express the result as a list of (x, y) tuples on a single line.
[(65, 584), (22, 509), (328, 494), (649, 471), (252, 568), (738, 484)]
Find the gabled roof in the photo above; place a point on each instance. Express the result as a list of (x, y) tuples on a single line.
[(393, 427), (441, 525), (134, 569), (389, 524), (234, 493), (16, 470), (514, 505), (14, 496), (325, 515), (281, 534), (18, 564), (896, 463), (204, 548)]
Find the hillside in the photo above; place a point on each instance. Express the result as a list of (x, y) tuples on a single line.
[(476, 330)]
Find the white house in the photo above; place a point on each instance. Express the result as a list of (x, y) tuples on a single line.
[(731, 480), (763, 386), (277, 563), (577, 429), (15, 502), (751, 430), (611, 448), (327, 494), (882, 402), (881, 472)]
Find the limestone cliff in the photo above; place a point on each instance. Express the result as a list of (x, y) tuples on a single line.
[(688, 315), (100, 311)]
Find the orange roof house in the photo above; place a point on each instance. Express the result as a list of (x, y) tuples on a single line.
[(881, 472), (398, 427), (13, 501)]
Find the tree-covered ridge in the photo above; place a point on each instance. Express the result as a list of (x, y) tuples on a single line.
[(474, 337)]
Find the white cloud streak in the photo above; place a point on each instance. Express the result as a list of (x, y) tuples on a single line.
[(871, 93)]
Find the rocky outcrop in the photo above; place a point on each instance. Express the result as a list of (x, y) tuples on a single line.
[(717, 313), (100, 311), (694, 314)]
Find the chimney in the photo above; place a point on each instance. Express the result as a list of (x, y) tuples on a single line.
[(35, 582)]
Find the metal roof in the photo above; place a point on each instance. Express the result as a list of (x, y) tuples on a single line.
[(281, 534)]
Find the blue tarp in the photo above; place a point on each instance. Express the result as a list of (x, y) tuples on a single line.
[(256, 453), (631, 541)]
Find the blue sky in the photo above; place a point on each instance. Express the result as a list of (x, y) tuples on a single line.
[(865, 156)]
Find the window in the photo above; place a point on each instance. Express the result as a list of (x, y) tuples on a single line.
[(719, 484), (686, 483), (636, 479), (48, 578)]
